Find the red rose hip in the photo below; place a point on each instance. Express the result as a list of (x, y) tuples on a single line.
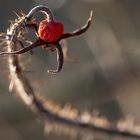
[(50, 31)]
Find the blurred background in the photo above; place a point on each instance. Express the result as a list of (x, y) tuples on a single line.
[(104, 76)]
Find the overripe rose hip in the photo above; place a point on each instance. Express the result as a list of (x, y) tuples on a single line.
[(50, 31)]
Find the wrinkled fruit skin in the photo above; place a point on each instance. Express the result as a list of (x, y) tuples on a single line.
[(50, 31)]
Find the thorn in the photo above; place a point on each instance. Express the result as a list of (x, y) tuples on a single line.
[(11, 22), (16, 14), (11, 86), (91, 15)]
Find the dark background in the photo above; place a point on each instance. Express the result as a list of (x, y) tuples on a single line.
[(105, 77)]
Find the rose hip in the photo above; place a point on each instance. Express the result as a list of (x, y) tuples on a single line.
[(50, 31)]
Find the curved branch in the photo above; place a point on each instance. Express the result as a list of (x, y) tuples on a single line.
[(27, 94)]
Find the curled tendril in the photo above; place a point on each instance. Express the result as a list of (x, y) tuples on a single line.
[(43, 9), (59, 59)]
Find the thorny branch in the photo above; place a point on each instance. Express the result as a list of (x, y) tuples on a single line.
[(48, 110)]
